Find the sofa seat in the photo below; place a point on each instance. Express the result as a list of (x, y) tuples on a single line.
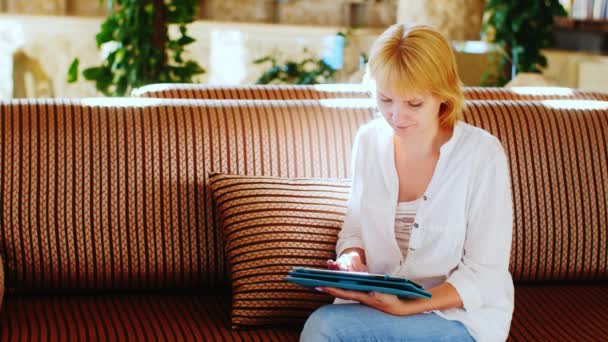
[(542, 313), (126, 317), (563, 312)]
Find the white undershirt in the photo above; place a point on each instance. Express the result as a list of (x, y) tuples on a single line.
[(404, 220)]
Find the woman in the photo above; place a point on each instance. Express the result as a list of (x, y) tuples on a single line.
[(430, 201)]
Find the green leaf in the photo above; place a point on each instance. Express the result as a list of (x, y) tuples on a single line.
[(120, 55), (93, 73), (149, 8), (73, 71), (263, 60), (185, 40)]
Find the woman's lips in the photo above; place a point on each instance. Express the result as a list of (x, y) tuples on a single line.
[(403, 126)]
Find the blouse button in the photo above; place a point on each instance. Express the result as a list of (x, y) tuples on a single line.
[(425, 198), (416, 225)]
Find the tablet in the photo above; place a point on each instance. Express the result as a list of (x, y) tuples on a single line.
[(359, 281)]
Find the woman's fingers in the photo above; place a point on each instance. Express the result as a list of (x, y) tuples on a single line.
[(350, 263), (332, 265), (343, 294)]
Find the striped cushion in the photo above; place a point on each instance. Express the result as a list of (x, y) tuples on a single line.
[(125, 317), (111, 193), (568, 312), (530, 93), (271, 225), (252, 92)]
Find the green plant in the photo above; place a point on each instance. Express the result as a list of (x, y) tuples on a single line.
[(306, 71), (141, 51), (520, 29)]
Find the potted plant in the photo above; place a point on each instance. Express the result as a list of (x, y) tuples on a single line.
[(138, 48), (520, 30)]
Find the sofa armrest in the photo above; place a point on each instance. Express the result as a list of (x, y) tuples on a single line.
[(1, 281)]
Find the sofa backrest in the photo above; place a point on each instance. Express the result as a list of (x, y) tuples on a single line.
[(112, 195), (251, 92), (329, 91), (531, 93), (558, 154)]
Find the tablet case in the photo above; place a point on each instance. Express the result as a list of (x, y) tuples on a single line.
[(359, 281)]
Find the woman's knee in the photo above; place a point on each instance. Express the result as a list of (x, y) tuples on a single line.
[(322, 324)]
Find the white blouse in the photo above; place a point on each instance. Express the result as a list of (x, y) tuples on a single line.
[(462, 230)]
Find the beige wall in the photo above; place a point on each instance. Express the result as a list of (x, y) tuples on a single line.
[(40, 50), (240, 11), (53, 7), (379, 13), (456, 19), (336, 13), (47, 7), (86, 8)]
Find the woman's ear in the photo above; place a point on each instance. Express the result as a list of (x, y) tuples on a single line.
[(445, 109)]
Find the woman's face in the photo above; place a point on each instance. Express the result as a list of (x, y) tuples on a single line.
[(412, 115)]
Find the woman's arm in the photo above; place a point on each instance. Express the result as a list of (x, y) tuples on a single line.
[(350, 234), (483, 275), (444, 297)]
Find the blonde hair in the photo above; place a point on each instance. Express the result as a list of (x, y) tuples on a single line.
[(412, 59)]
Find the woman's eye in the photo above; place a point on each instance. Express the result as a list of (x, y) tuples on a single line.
[(386, 100), (417, 104)]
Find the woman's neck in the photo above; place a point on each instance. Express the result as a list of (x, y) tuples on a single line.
[(422, 145)]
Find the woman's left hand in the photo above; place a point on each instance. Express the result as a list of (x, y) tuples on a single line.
[(385, 302)]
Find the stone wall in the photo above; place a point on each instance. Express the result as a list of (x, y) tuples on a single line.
[(86, 8), (46, 7), (360, 13), (239, 11), (456, 19)]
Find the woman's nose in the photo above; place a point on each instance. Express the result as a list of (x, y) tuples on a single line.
[(400, 113)]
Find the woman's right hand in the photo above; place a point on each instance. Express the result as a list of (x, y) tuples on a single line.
[(351, 260)]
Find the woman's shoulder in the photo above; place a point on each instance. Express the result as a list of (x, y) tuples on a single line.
[(480, 140), (372, 128)]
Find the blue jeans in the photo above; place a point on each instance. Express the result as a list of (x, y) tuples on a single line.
[(357, 322)]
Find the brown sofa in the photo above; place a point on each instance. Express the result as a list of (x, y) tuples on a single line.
[(329, 91), (107, 230)]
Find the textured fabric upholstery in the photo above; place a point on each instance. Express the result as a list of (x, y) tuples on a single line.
[(251, 92), (271, 225), (302, 92), (127, 317), (559, 168), (530, 93), (114, 197), (565, 312), (1, 281)]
